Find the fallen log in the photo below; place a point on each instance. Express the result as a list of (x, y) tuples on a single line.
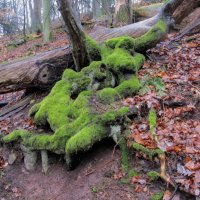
[(44, 69), (145, 12), (39, 71)]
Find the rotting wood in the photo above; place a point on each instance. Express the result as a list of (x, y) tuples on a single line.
[(11, 110)]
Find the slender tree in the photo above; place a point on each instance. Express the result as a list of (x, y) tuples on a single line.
[(76, 34), (35, 9), (46, 21)]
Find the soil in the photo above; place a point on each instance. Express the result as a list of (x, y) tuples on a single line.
[(92, 179)]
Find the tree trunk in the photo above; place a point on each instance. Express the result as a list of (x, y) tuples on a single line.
[(36, 25), (123, 11), (47, 34), (77, 36), (96, 9), (185, 9), (145, 12)]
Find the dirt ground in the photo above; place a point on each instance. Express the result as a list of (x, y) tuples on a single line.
[(90, 180), (93, 179)]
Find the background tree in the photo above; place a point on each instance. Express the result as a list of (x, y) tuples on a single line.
[(35, 10), (47, 34), (123, 11)]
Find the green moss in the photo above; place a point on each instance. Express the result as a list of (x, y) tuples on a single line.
[(124, 42), (93, 48), (152, 122), (105, 51), (150, 152), (56, 102), (152, 118), (94, 189), (153, 175), (152, 37), (128, 87), (124, 154), (85, 138), (122, 61), (108, 95), (16, 135), (157, 196), (114, 115), (132, 173), (34, 109)]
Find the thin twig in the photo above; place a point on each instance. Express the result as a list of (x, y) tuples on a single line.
[(174, 193), (116, 146)]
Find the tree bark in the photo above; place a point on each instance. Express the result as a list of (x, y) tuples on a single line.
[(145, 12), (46, 21), (36, 25), (185, 9), (77, 36), (123, 11), (39, 71)]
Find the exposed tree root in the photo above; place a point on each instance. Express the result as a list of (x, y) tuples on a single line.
[(163, 174)]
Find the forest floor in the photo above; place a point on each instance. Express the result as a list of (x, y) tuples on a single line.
[(171, 84)]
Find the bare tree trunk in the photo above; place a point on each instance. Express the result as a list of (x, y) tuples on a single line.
[(123, 11), (77, 36), (47, 34), (35, 9), (96, 8)]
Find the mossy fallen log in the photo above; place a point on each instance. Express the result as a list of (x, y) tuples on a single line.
[(43, 70), (145, 12)]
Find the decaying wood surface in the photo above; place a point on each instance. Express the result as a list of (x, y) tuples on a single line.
[(39, 71)]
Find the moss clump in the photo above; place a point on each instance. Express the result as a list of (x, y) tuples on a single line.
[(152, 37), (153, 175), (124, 42), (114, 115), (157, 196), (15, 135), (128, 87), (108, 95), (122, 61), (150, 152), (92, 48), (132, 173), (124, 152)]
